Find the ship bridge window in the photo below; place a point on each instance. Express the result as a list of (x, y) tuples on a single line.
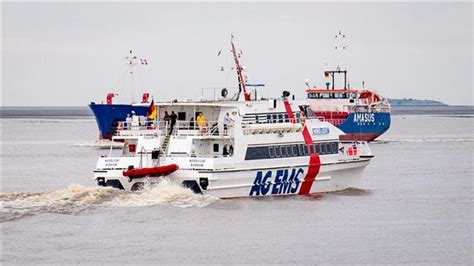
[(215, 147)]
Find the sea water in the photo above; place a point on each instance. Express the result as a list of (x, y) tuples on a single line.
[(414, 205)]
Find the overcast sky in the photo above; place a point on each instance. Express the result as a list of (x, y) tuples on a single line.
[(70, 54)]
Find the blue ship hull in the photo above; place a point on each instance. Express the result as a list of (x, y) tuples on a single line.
[(107, 116), (365, 126)]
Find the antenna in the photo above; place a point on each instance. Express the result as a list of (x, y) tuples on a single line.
[(131, 62), (340, 47)]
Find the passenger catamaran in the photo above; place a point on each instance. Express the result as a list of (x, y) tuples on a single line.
[(236, 147)]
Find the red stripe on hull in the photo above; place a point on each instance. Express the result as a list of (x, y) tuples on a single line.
[(314, 161), (314, 165)]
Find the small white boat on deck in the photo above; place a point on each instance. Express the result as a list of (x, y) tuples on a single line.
[(240, 149)]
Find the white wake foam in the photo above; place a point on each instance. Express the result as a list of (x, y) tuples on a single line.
[(164, 192), (77, 198)]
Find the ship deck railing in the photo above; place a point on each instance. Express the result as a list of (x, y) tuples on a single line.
[(143, 128), (181, 128), (204, 129)]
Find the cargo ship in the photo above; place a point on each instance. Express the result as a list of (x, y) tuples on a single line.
[(109, 114), (362, 115)]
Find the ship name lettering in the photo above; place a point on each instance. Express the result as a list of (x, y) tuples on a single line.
[(364, 117), (282, 181)]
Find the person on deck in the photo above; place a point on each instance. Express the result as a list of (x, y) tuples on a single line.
[(128, 121), (227, 122), (135, 121), (166, 118), (225, 151), (173, 118), (143, 120), (202, 122)]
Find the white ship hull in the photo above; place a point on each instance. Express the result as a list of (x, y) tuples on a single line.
[(257, 182)]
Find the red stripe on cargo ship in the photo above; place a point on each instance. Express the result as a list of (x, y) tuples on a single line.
[(314, 161)]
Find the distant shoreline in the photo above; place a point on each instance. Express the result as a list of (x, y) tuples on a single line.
[(414, 102), (80, 112), (433, 110)]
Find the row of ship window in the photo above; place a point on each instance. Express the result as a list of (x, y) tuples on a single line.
[(293, 150), (339, 95), (270, 118)]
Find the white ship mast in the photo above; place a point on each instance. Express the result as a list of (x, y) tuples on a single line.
[(131, 62)]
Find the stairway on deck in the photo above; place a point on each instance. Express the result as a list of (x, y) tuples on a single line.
[(164, 146)]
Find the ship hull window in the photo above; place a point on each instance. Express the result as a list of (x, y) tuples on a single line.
[(271, 151), (295, 150), (323, 149), (288, 151)]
